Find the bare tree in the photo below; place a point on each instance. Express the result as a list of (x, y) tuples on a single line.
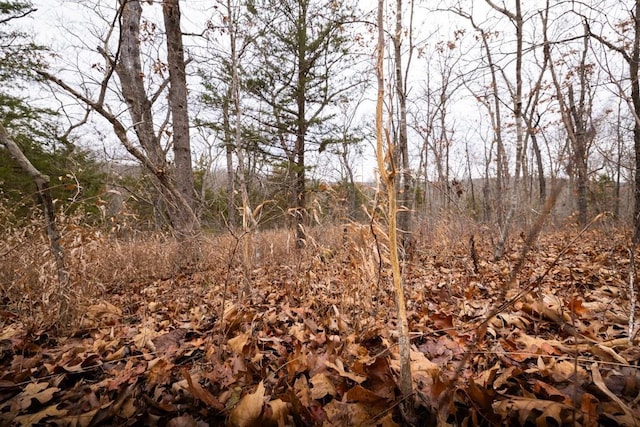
[(629, 50), (576, 116), (493, 103), (175, 179), (402, 145)]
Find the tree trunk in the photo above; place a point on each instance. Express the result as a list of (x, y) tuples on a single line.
[(542, 185), (179, 111), (404, 199), (229, 150), (178, 98), (42, 183), (517, 114), (635, 99), (129, 69), (248, 220), (301, 128)]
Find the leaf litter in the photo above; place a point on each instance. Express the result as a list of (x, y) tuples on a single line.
[(315, 344)]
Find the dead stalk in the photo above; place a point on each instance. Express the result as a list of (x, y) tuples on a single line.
[(632, 292), (387, 177)]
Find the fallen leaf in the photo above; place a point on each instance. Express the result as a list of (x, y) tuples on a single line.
[(339, 366), (278, 412), (144, 339), (32, 419), (182, 421), (38, 391), (322, 386), (524, 408), (597, 380), (247, 412), (200, 393), (237, 343)]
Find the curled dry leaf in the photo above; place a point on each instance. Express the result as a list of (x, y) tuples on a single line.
[(200, 393), (541, 412), (237, 343), (339, 366), (33, 419), (629, 416), (144, 338), (248, 411), (322, 386)]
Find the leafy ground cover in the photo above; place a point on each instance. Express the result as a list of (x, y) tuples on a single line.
[(155, 343)]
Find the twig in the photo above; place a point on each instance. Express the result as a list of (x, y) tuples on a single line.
[(632, 292)]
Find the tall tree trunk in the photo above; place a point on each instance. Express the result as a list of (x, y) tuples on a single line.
[(179, 112), (517, 19), (178, 98), (634, 65), (575, 116), (42, 183), (229, 150), (351, 184), (301, 128), (404, 199), (542, 184), (248, 220), (619, 145), (579, 140), (129, 69)]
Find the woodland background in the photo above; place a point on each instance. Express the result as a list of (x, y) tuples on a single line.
[(209, 216)]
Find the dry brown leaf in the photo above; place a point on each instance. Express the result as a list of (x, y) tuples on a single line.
[(503, 320), (39, 391), (237, 343), (597, 380), (200, 393), (8, 333), (143, 339), (182, 421), (589, 409), (339, 366), (158, 371), (101, 313), (524, 408), (32, 419), (80, 420), (322, 386), (169, 341), (278, 413), (565, 370), (248, 411), (363, 395), (606, 352), (420, 365), (348, 414), (387, 421), (298, 331)]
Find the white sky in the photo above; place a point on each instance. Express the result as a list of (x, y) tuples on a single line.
[(66, 23)]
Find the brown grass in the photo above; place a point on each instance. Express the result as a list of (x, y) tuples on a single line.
[(341, 263)]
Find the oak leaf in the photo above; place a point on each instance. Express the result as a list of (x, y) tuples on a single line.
[(248, 411)]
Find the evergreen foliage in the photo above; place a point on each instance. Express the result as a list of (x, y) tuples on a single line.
[(75, 174)]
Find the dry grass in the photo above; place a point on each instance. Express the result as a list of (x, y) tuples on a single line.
[(338, 259), (331, 295), (345, 263)]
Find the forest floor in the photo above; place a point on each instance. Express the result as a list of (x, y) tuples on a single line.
[(155, 342)]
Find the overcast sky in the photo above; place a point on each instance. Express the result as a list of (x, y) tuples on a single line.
[(62, 24)]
